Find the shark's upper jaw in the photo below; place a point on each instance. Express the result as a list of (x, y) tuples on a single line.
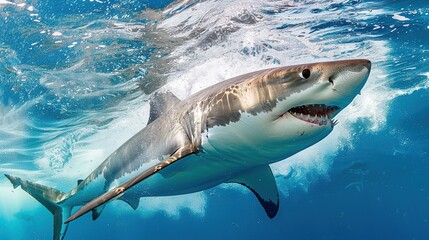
[(317, 114)]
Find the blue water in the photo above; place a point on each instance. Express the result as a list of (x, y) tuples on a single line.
[(74, 83)]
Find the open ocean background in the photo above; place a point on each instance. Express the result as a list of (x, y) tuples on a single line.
[(75, 76)]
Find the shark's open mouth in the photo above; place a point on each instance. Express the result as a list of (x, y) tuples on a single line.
[(318, 114)]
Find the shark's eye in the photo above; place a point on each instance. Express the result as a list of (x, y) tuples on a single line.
[(305, 73)]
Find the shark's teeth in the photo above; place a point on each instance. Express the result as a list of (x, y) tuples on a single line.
[(318, 114)]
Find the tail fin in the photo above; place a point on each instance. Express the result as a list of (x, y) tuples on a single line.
[(49, 197)]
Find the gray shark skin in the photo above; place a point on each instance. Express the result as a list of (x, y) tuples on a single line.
[(227, 133)]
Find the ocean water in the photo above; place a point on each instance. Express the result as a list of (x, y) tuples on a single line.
[(75, 77)]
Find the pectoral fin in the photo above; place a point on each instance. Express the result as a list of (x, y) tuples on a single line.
[(132, 201), (117, 192), (97, 211), (261, 182)]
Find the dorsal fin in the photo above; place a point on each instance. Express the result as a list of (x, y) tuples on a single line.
[(160, 102), (261, 182)]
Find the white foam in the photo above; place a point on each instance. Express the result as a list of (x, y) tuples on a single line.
[(56, 34), (4, 2), (398, 17)]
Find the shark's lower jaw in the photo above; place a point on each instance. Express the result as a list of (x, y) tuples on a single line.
[(317, 114)]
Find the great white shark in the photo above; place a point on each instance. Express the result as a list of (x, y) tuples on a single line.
[(227, 133)]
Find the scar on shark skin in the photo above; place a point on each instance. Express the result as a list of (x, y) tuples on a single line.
[(119, 190)]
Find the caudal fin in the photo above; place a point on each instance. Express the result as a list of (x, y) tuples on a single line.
[(49, 197)]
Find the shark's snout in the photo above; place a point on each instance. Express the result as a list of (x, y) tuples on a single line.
[(350, 73), (366, 63), (360, 62), (347, 79)]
